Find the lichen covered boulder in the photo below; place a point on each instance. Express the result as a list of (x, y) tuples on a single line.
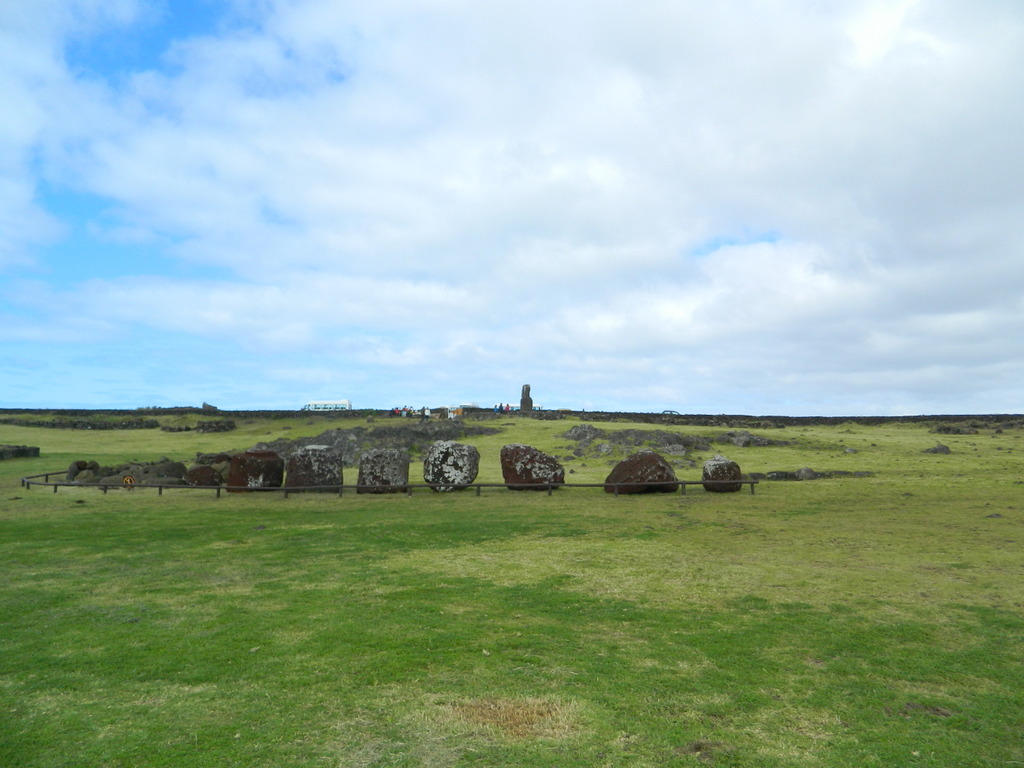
[(450, 466), (717, 471), (632, 475), (314, 468), (523, 467), (255, 470), (384, 470)]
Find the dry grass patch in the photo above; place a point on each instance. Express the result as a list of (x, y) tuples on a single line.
[(517, 718)]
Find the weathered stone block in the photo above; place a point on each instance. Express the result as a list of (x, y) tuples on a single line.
[(384, 470), (316, 468), (255, 470)]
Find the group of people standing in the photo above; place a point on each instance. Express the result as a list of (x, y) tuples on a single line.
[(502, 408), (405, 410)]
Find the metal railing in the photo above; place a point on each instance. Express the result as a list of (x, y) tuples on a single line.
[(407, 488)]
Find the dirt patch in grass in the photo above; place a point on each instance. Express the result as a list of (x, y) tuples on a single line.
[(912, 708), (705, 750), (517, 718)]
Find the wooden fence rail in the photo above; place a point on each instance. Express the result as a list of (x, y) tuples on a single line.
[(407, 488)]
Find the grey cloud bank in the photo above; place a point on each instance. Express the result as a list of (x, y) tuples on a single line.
[(747, 207)]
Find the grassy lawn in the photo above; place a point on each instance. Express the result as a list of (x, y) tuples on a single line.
[(871, 621)]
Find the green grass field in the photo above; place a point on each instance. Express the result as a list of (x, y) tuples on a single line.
[(873, 621)]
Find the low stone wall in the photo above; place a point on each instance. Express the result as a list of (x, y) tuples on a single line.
[(19, 452)]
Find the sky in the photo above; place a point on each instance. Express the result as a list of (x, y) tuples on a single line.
[(785, 207)]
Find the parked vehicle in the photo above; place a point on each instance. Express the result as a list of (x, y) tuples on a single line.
[(328, 405)]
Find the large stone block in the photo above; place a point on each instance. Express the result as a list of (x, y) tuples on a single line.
[(632, 474), (523, 466), (450, 466), (255, 470), (316, 468), (718, 469), (384, 470)]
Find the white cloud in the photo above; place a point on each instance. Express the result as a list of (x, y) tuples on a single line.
[(619, 196)]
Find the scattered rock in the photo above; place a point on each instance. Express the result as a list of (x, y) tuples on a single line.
[(938, 448), (222, 425), (718, 469), (450, 466), (586, 435), (203, 475), (583, 432), (350, 444), (162, 472), (523, 466), (743, 439), (806, 473), (632, 474), (954, 429)]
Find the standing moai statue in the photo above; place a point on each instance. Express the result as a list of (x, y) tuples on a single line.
[(526, 402)]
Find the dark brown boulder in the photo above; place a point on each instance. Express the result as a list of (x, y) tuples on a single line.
[(203, 475), (719, 469), (632, 473), (316, 468), (523, 467), (384, 470), (255, 470)]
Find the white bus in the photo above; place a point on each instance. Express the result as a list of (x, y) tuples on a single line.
[(328, 405)]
